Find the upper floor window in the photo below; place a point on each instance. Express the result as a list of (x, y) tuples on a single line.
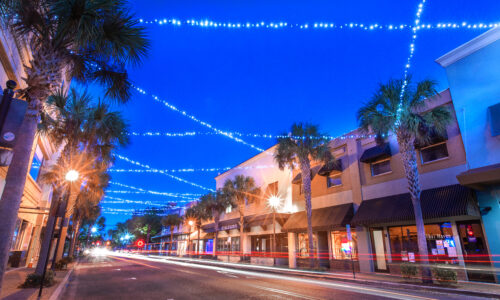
[(229, 209), (434, 152), (301, 189), (272, 189), (37, 162), (381, 167), (334, 180)]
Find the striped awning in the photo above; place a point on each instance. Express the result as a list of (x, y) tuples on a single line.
[(446, 201)]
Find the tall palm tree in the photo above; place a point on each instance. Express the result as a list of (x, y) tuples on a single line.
[(89, 41), (215, 204), (303, 144), (152, 220), (196, 213), (409, 120), (171, 221), (241, 189)]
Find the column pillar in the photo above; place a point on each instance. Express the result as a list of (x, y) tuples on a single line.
[(292, 251)]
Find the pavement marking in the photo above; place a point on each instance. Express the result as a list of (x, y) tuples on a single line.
[(286, 293), (118, 269), (135, 262), (131, 278), (228, 274)]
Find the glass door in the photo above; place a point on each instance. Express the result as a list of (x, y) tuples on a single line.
[(378, 247)]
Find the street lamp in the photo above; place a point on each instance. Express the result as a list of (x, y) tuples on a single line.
[(190, 223), (274, 203), (71, 176), (93, 229)]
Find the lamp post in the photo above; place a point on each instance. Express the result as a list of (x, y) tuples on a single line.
[(274, 203), (190, 223), (71, 176)]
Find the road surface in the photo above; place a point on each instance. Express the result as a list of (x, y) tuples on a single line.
[(118, 277)]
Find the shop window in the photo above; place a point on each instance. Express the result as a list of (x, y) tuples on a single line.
[(36, 164), (440, 243), (263, 243), (332, 181), (381, 167), (342, 248), (303, 244), (434, 152), (229, 244)]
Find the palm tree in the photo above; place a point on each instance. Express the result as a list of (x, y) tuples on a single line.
[(409, 120), (89, 41), (171, 221), (215, 204), (152, 220), (196, 213), (241, 189), (303, 144)]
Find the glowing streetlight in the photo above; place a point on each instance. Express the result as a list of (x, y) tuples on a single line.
[(72, 175), (190, 222), (93, 229), (274, 202)]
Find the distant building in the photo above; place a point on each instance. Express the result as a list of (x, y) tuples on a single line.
[(473, 71)]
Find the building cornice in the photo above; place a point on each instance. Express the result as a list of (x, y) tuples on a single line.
[(470, 47)]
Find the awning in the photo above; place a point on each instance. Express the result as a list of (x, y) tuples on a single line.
[(223, 225), (314, 171), (376, 153), (326, 218), (480, 178), (434, 138), (494, 119), (447, 201), (331, 167), (266, 219)]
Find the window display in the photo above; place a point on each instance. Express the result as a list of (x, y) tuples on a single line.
[(342, 248), (303, 244)]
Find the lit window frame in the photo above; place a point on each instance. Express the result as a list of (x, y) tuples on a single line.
[(378, 162), (431, 146), (339, 175)]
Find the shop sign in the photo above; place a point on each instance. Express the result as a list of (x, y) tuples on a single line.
[(229, 227)]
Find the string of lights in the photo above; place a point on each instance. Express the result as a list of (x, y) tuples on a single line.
[(185, 170), (205, 124), (118, 200), (415, 29), (152, 192), (208, 23), (162, 172), (253, 135), (141, 192)]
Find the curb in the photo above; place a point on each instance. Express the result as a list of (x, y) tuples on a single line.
[(361, 281), (62, 286)]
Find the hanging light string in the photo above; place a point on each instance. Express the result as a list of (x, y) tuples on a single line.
[(253, 135), (208, 23), (414, 29), (205, 124), (185, 170), (162, 172), (118, 200), (141, 192), (152, 192)]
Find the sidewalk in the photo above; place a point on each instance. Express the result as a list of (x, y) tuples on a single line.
[(469, 288), (14, 277)]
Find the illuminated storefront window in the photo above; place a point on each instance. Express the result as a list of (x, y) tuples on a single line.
[(303, 244), (342, 248)]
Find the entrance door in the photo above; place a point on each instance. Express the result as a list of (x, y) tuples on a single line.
[(379, 249), (477, 260)]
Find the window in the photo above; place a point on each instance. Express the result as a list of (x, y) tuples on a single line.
[(303, 244), (229, 244), (440, 243), (301, 189), (263, 243), (341, 247), (381, 167), (434, 152), (36, 164), (332, 181), (229, 209)]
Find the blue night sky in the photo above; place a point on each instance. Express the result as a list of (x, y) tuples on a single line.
[(263, 80)]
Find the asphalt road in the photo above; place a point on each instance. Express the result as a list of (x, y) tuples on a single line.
[(114, 277)]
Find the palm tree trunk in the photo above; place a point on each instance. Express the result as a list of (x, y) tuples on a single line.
[(49, 233), (171, 240), (15, 181), (305, 167), (409, 157), (76, 231), (216, 223), (242, 225), (198, 243)]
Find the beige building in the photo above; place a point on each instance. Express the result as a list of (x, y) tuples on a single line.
[(36, 200)]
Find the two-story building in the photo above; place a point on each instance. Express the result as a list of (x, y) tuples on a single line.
[(473, 72)]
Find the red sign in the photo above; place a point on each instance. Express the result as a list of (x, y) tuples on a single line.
[(140, 243)]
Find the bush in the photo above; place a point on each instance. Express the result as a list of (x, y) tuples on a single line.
[(444, 274), (61, 264), (33, 280), (408, 270)]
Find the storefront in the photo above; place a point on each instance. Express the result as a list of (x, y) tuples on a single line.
[(334, 246), (452, 229)]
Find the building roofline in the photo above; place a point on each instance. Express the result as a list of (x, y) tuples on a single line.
[(470, 47), (245, 162)]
